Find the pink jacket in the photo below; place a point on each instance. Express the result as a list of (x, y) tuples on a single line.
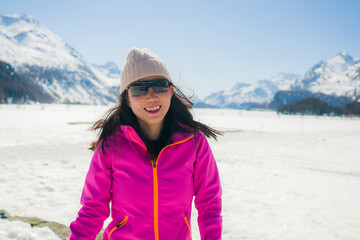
[(150, 200)]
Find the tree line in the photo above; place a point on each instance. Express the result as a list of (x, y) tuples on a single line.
[(315, 106)]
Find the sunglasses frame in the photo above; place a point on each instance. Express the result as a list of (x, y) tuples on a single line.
[(147, 85)]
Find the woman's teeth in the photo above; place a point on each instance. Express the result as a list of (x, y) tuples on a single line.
[(152, 108)]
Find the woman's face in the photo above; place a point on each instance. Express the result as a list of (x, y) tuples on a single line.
[(151, 108)]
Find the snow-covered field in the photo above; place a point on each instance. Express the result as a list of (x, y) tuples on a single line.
[(283, 177)]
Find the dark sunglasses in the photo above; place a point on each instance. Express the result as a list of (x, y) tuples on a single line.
[(159, 85)]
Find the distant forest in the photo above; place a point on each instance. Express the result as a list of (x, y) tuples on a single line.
[(315, 106), (15, 88)]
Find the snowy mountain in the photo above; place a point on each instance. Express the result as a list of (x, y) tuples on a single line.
[(244, 95), (339, 76), (43, 57), (335, 81)]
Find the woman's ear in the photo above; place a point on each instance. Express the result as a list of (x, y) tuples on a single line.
[(171, 90), (127, 99)]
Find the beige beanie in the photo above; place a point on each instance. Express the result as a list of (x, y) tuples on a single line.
[(141, 63)]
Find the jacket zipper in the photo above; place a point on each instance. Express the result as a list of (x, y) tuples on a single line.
[(119, 224), (156, 186), (156, 200)]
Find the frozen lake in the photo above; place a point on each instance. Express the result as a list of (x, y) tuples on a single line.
[(283, 177)]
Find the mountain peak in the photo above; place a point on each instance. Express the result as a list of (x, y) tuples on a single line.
[(346, 56), (343, 53), (239, 86), (336, 76), (9, 19)]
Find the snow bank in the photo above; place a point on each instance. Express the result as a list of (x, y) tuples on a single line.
[(16, 230)]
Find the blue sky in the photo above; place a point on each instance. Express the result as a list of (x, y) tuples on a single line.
[(207, 45)]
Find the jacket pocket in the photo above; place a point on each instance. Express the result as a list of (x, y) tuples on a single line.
[(118, 225), (187, 223), (175, 228)]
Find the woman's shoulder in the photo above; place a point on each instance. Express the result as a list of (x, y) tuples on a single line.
[(112, 142), (192, 130), (196, 136), (115, 137)]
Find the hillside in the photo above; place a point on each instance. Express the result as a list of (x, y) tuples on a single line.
[(15, 88)]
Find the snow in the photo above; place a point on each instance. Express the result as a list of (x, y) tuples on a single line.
[(17, 230), (283, 177)]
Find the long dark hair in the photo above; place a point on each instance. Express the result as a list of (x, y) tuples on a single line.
[(122, 114)]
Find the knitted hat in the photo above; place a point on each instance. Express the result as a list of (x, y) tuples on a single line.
[(141, 63)]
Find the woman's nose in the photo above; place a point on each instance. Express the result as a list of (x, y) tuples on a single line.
[(151, 93)]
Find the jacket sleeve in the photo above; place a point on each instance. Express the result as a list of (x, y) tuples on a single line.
[(95, 198), (207, 191)]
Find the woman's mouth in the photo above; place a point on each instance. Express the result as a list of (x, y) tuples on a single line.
[(153, 109)]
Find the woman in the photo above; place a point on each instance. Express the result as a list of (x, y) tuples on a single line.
[(150, 160)]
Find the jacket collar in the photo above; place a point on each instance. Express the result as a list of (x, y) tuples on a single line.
[(130, 134)]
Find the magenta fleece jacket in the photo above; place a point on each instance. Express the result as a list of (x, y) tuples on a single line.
[(150, 199)]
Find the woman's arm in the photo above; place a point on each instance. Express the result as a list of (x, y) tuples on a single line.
[(95, 198), (207, 191)]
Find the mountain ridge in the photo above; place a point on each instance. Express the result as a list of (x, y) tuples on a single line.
[(244, 95), (335, 81)]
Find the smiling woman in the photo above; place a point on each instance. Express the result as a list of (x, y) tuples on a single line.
[(149, 98), (150, 160)]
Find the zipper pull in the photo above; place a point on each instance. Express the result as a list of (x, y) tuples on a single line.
[(154, 163), (186, 214), (118, 224)]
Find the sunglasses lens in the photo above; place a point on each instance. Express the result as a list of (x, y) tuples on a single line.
[(158, 85), (138, 90)]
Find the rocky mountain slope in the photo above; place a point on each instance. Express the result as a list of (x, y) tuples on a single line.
[(15, 88)]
